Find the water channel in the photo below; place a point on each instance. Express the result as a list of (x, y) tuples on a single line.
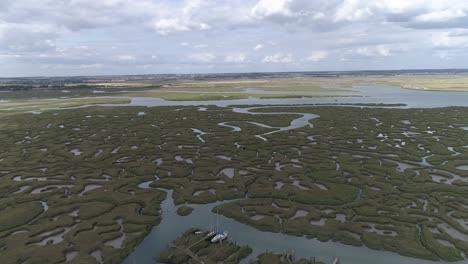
[(202, 217), (173, 225)]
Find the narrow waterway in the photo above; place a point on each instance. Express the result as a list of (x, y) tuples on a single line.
[(202, 217), (296, 123)]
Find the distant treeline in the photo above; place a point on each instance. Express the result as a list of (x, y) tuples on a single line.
[(26, 87)]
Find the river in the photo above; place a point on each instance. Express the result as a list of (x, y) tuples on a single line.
[(173, 225)]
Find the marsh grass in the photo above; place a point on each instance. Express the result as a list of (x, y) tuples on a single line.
[(351, 173)]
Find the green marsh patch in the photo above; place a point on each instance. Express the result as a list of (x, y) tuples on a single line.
[(87, 180)]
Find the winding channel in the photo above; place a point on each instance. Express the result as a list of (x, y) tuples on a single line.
[(295, 124), (172, 225)]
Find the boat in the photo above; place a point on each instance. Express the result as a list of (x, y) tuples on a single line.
[(219, 237)]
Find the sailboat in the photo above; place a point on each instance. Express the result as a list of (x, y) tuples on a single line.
[(219, 236)]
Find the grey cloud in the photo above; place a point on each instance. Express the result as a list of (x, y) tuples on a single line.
[(24, 37), (456, 23), (54, 32)]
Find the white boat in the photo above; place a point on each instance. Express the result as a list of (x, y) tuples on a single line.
[(219, 237)]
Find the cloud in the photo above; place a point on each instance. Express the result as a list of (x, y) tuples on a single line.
[(92, 66), (79, 14), (258, 47), (364, 51), (125, 58), (200, 46), (166, 26), (203, 57), (272, 9), (440, 19), (178, 34), (383, 50), (24, 37), (451, 40), (317, 56), (351, 11), (443, 55), (278, 58), (369, 52), (180, 19), (235, 58), (441, 16)]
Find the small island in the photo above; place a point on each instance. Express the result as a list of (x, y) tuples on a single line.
[(196, 246), (184, 210)]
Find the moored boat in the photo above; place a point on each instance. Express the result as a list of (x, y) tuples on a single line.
[(219, 237)]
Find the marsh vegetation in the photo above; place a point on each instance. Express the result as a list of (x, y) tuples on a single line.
[(389, 179), (194, 246)]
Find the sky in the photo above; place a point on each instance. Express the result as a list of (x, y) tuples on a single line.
[(102, 37)]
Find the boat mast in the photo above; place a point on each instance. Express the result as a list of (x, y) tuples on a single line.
[(217, 220)]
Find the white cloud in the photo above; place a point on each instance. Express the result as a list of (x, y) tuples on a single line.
[(443, 55), (203, 57), (179, 18), (383, 50), (120, 31), (278, 58), (25, 37), (455, 39), (170, 25), (441, 16), (271, 9), (125, 58), (364, 51), (258, 47), (399, 6), (167, 25), (235, 58), (92, 66), (203, 26), (370, 51), (352, 10), (317, 56), (9, 56), (200, 46)]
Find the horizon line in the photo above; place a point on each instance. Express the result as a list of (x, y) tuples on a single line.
[(414, 70)]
